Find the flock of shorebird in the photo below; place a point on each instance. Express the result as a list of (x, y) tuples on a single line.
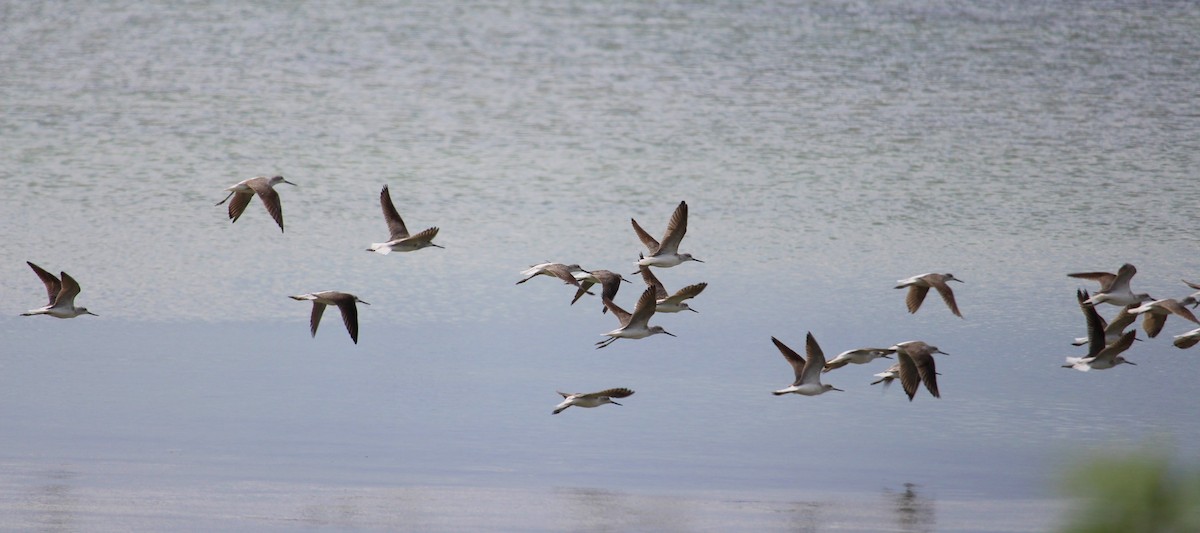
[(915, 365)]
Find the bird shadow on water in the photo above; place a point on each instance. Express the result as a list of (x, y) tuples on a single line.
[(912, 512)]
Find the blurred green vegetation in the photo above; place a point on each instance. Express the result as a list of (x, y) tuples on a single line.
[(1139, 491)]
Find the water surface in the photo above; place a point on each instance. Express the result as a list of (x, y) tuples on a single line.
[(825, 149)]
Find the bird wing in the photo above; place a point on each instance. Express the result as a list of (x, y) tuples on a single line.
[(1095, 324), (53, 285), (1186, 340), (687, 292), (645, 308), (675, 230), (269, 198), (395, 224), (651, 280), (610, 282), (1175, 307), (237, 205), (315, 319), (561, 271), (647, 240), (1124, 275), (68, 292), (621, 314), (793, 359), (1104, 278), (815, 363), (424, 236), (345, 303), (926, 368), (1111, 351), (947, 295), (1123, 319), (583, 289), (916, 295), (1190, 284), (910, 378), (619, 392), (1153, 323)]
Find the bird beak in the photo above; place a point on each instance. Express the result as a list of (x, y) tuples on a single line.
[(836, 389), (941, 352), (668, 333), (958, 280), (697, 260), (290, 183), (91, 313), (886, 356), (614, 403), (625, 280), (692, 310), (1130, 363), (364, 303), (437, 246)]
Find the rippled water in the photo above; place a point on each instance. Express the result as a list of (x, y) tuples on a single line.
[(825, 149)]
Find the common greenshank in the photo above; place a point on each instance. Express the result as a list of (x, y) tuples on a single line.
[(590, 399), (636, 325), (244, 190), (919, 285), (610, 283), (400, 240), (1187, 340), (1100, 356), (917, 366), (1155, 313), (344, 301), (670, 303), (61, 294), (808, 373), (1115, 290), (666, 254), (860, 356), (557, 270)]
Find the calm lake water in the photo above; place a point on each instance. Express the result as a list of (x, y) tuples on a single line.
[(825, 149)]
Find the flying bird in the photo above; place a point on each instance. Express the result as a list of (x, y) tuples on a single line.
[(344, 302), (590, 399), (1112, 330), (860, 356), (666, 253), (557, 270), (670, 303), (399, 239), (1155, 313), (917, 366), (1187, 340), (636, 325), (1114, 290), (1100, 356), (61, 294), (244, 190), (918, 287), (808, 373), (610, 283)]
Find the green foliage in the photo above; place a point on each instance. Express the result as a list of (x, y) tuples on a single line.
[(1135, 492)]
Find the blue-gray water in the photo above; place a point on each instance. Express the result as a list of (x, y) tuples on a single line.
[(826, 149)]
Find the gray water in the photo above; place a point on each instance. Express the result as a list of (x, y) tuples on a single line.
[(825, 149)]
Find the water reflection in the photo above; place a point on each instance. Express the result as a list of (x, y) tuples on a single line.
[(55, 502), (604, 510), (913, 512), (590, 509)]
